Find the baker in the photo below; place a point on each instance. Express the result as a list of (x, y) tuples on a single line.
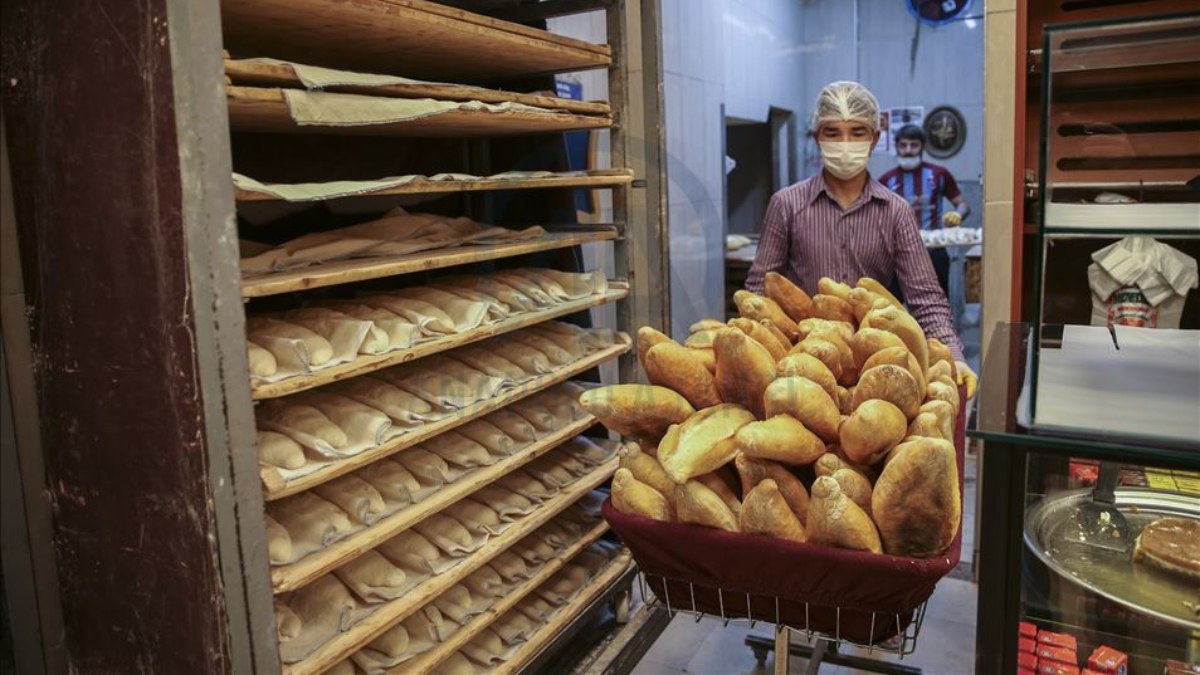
[(843, 224)]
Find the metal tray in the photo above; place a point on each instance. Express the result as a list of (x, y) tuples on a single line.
[(1170, 598)]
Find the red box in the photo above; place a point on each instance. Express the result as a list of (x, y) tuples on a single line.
[(1028, 630), (1089, 671), (1026, 671), (1050, 667), (1026, 645), (1060, 654), (1108, 660), (1027, 661), (1180, 668), (1064, 640)]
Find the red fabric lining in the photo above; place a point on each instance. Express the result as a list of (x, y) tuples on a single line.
[(767, 569)]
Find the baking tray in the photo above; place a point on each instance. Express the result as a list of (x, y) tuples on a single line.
[(1138, 587)]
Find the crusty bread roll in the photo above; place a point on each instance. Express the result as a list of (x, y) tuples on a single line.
[(939, 370), (831, 333), (648, 337), (827, 286), (781, 438), (642, 412), (845, 400), (824, 350), (830, 462), (939, 352), (863, 301), (718, 485), (855, 486), (790, 297), (706, 324), (262, 362), (275, 449), (945, 415), (832, 307), (867, 341), (806, 401), (875, 427), (706, 356), (755, 307), (766, 512), (880, 290), (783, 339), (744, 369), (834, 519), (702, 339), (753, 471), (806, 365), (905, 327), (696, 503), (674, 366), (897, 356), (646, 469), (890, 383), (760, 334), (916, 502), (816, 326), (703, 442), (942, 389), (630, 495)]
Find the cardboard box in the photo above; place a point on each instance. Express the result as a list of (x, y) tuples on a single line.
[(1064, 640), (1051, 667), (1026, 646), (1027, 660), (1174, 667), (1108, 660), (1028, 630), (1052, 653)]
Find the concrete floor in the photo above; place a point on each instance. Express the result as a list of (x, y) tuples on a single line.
[(945, 645)]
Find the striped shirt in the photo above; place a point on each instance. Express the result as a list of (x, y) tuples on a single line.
[(924, 188), (806, 235)]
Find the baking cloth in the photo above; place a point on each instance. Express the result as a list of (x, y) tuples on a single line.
[(318, 108), (315, 192), (759, 570)]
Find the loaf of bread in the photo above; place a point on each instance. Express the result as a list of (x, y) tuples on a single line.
[(815, 326), (781, 438), (874, 428), (835, 520), (938, 353), (762, 335), (779, 335), (634, 497), (823, 350), (827, 286), (890, 383), (275, 449), (897, 356), (940, 370), (646, 469), (830, 333), (744, 369), (753, 471), (642, 412), (791, 298), (916, 501), (829, 463), (676, 367), (648, 337), (808, 366), (756, 307), (845, 400), (855, 486), (867, 341), (696, 503), (806, 401), (879, 289), (862, 301), (704, 442), (714, 482), (900, 322), (935, 420), (943, 389), (705, 324), (262, 362), (766, 512), (833, 308), (703, 339)]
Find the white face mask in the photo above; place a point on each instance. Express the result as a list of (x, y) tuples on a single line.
[(909, 163), (845, 159)]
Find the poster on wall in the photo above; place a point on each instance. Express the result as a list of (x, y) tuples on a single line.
[(899, 118), (884, 146)]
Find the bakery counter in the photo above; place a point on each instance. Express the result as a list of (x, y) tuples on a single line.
[(1093, 552)]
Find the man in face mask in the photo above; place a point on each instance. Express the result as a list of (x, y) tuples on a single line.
[(924, 185), (845, 225)]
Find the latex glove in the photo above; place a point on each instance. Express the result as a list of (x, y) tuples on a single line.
[(968, 377), (951, 219)]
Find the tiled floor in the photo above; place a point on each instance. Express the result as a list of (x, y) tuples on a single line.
[(945, 645)]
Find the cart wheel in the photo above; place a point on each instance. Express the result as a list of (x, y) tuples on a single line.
[(621, 607), (760, 656)]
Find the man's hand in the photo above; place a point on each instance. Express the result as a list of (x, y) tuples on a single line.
[(967, 376), (951, 219)]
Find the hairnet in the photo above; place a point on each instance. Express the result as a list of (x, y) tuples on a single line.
[(845, 101)]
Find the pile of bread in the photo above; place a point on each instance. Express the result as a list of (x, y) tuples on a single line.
[(827, 419)]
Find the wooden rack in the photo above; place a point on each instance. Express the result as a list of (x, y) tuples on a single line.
[(369, 364), (393, 612), (245, 73), (277, 487), (287, 578), (595, 179), (266, 109), (431, 659), (365, 269), (413, 38)]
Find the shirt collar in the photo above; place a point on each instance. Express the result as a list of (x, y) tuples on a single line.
[(873, 189)]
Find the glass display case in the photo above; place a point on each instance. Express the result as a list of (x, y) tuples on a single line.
[(1090, 480)]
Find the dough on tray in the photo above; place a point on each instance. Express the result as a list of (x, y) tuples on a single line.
[(513, 627), (401, 406), (262, 362), (492, 438), (459, 451), (486, 649), (401, 333), (358, 420), (325, 608), (485, 582), (455, 664), (279, 543), (479, 519), (355, 496), (416, 555), (342, 330), (449, 535), (276, 449), (507, 503), (457, 605), (564, 585), (549, 471), (373, 577), (535, 413), (552, 351), (426, 466), (311, 522), (396, 484), (294, 347), (489, 363), (513, 425), (466, 314), (527, 485), (527, 358), (535, 608), (589, 451), (534, 550), (299, 421), (511, 567), (431, 320), (287, 623)]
